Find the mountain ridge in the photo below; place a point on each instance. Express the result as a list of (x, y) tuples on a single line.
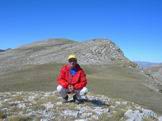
[(145, 64), (95, 51)]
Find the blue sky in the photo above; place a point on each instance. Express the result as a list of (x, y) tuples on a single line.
[(134, 25)]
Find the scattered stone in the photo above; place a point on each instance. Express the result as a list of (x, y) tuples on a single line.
[(31, 98), (139, 115), (71, 113), (59, 103), (80, 120), (160, 118), (48, 105), (95, 108), (21, 105)]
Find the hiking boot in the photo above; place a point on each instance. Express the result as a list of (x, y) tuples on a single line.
[(85, 98), (76, 100), (65, 99)]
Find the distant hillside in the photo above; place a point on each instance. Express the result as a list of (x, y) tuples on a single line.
[(144, 65), (5, 50), (95, 51), (2, 50)]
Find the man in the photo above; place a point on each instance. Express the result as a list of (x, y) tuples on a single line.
[(72, 79)]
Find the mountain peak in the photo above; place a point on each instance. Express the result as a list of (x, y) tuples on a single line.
[(49, 42), (100, 39), (95, 51)]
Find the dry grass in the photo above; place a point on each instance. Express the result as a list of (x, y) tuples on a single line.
[(2, 115), (19, 118), (111, 80)]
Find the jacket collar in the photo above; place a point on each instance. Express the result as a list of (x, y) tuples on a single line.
[(77, 67)]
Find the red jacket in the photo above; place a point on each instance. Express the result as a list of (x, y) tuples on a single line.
[(78, 80)]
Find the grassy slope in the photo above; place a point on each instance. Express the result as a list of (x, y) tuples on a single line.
[(109, 80), (127, 84)]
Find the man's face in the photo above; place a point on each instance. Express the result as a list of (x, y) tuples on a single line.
[(72, 62)]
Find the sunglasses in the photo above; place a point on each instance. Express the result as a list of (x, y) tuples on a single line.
[(72, 60)]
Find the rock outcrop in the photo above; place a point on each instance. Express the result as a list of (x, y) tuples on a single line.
[(96, 51), (155, 73), (47, 106)]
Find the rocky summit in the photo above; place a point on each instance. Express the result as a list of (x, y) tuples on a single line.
[(95, 51), (47, 106)]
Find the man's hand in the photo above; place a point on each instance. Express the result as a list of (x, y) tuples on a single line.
[(71, 88)]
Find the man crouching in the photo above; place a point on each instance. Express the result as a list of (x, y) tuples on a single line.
[(72, 80)]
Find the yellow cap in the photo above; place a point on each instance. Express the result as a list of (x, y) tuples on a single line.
[(72, 56)]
